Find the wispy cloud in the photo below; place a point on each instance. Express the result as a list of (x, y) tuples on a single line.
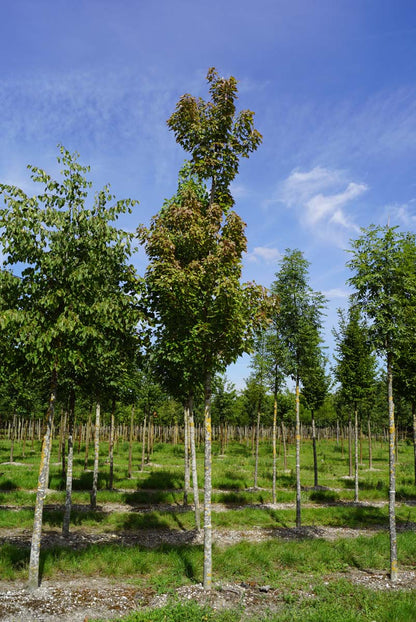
[(322, 198), (336, 292), (401, 214), (264, 254)]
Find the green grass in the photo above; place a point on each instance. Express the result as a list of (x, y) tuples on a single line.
[(337, 603), (295, 567)]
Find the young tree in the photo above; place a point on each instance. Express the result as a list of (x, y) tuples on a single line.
[(301, 311), (316, 384), (196, 244), (215, 135), (204, 317), (383, 264), (355, 367), (77, 292)]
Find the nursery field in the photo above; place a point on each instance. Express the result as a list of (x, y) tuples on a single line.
[(138, 556)]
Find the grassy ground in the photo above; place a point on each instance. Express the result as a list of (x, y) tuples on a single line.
[(311, 575)]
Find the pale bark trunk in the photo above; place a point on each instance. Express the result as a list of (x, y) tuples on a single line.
[(315, 461), (349, 447), (33, 582), (256, 465), (87, 441), (274, 449), (370, 446), (298, 489), (414, 437), (392, 478), (356, 455), (187, 475), (207, 488), (12, 438), (70, 461), (96, 455), (131, 441), (63, 448), (284, 446), (111, 449), (143, 444), (194, 466)]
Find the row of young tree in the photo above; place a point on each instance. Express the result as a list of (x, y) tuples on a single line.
[(76, 316)]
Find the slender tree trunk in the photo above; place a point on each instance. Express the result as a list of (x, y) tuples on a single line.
[(96, 455), (194, 466), (13, 432), (256, 465), (33, 582), (87, 441), (414, 436), (187, 474), (143, 444), (370, 446), (111, 448), (207, 487), (392, 479), (349, 446), (298, 489), (70, 461), (356, 455), (63, 454), (284, 446), (315, 461), (131, 441), (337, 432), (24, 438), (274, 448)]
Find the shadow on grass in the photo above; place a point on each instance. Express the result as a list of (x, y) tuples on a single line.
[(163, 480), (8, 484)]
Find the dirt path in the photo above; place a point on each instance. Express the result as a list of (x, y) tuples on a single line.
[(77, 600)]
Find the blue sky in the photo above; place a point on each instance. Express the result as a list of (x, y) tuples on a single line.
[(332, 83)]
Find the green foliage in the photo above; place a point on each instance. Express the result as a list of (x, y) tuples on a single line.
[(300, 313), (355, 364), (74, 306), (204, 318), (383, 262), (214, 135)]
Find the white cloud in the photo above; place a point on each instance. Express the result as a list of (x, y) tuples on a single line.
[(321, 197), (402, 214), (264, 254), (336, 292)]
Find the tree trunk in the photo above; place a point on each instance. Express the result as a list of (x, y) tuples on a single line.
[(33, 582), (143, 444), (96, 455), (87, 440), (315, 461), (193, 462), (370, 447), (414, 436), (187, 474), (284, 446), (392, 479), (111, 448), (349, 446), (256, 465), (298, 489), (131, 441), (63, 444), (207, 487), (70, 462), (274, 448), (13, 432), (356, 455)]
